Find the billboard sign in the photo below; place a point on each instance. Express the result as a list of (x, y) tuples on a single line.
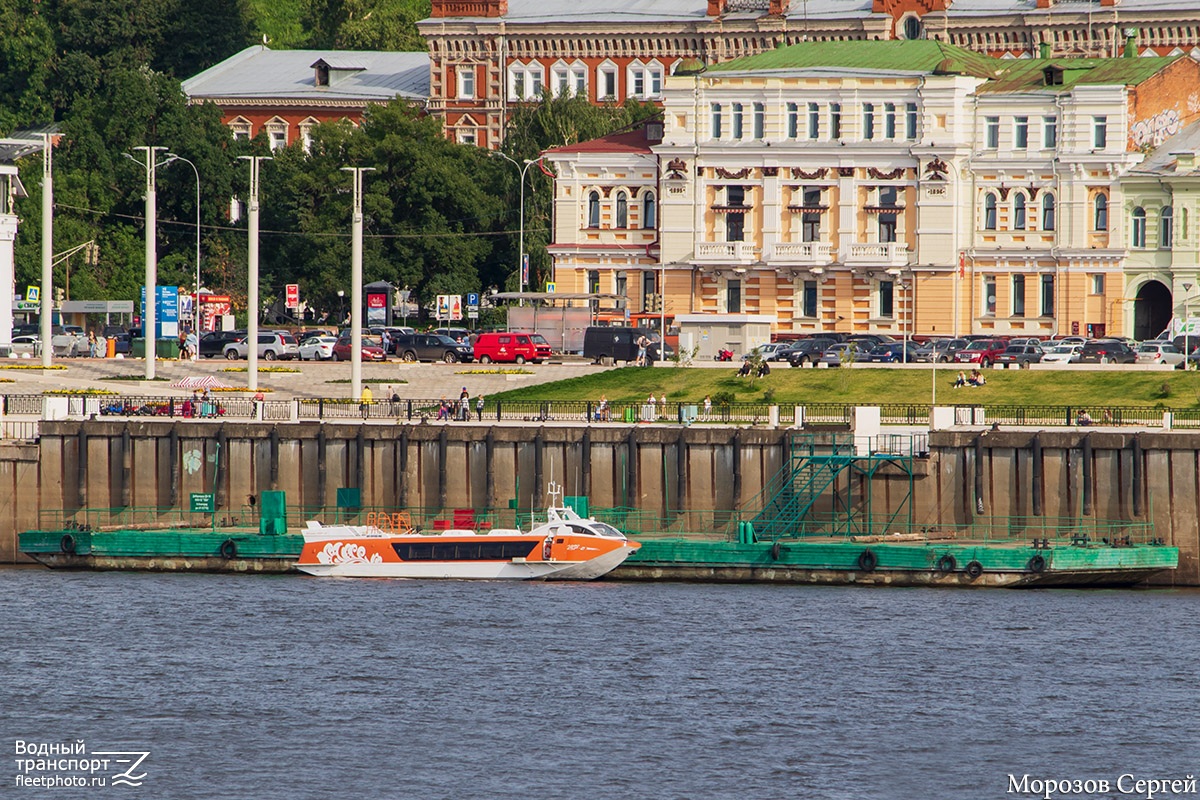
[(293, 295), (377, 309)]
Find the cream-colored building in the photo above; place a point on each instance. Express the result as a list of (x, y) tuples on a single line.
[(893, 187)]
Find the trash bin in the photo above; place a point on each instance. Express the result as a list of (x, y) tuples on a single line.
[(110, 347)]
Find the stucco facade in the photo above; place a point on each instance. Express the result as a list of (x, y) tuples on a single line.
[(891, 187)]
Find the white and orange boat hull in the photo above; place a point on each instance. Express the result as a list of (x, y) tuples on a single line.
[(367, 552)]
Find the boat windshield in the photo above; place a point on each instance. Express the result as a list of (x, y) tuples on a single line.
[(594, 528)]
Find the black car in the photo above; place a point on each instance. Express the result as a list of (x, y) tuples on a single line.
[(1021, 354), (212, 344), (808, 351), (431, 347), (1107, 351)]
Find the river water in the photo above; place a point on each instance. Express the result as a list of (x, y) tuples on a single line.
[(293, 687)]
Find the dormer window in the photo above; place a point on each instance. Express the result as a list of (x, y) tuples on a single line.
[(1053, 76), (331, 73)]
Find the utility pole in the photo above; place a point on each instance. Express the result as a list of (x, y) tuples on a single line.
[(252, 277), (356, 236), (47, 297), (148, 327)]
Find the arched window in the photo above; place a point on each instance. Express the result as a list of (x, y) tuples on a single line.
[(1166, 227), (649, 210), (1101, 217), (594, 210), (1047, 212), (1139, 226), (989, 212), (1019, 211), (622, 210)]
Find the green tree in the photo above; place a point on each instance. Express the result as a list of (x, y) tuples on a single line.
[(26, 56)]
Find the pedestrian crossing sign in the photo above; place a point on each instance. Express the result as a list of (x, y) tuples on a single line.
[(33, 294)]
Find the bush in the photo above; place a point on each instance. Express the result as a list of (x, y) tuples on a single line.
[(723, 399)]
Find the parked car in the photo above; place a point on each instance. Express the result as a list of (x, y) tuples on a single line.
[(27, 329), (1021, 354), (212, 344), (1160, 353), (370, 346), (771, 351), (607, 344), (272, 345), (1107, 351), (842, 353), (431, 347), (808, 351), (514, 346), (890, 353), (26, 346), (1063, 354), (981, 351), (317, 348), (939, 350), (459, 335)]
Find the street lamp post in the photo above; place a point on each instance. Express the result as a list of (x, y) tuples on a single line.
[(148, 326), (356, 299), (341, 319), (529, 162), (252, 273), (196, 304)]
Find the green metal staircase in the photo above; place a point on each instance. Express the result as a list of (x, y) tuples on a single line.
[(791, 493)]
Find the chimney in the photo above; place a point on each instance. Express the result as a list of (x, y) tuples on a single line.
[(1185, 162), (1045, 3), (1044, 50), (779, 7), (1130, 43), (716, 7)]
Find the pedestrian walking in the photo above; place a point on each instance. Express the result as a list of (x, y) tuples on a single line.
[(479, 407), (365, 402)]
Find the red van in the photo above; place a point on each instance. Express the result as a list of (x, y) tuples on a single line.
[(518, 347)]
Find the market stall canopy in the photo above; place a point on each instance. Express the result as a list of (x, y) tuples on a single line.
[(199, 382)]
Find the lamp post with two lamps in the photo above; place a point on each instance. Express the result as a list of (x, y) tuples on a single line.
[(522, 267), (148, 326), (196, 304)]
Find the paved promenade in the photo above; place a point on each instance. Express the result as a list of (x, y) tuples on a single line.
[(315, 379)]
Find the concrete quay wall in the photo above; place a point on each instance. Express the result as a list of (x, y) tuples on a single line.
[(1077, 474)]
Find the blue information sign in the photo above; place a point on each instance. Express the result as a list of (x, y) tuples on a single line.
[(166, 311), (472, 300)]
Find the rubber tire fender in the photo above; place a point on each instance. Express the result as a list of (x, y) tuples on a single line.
[(776, 549), (974, 569), (946, 564), (867, 561), (1037, 564), (229, 549), (67, 544)]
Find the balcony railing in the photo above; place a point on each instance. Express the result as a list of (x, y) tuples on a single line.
[(888, 254), (725, 253), (805, 254)]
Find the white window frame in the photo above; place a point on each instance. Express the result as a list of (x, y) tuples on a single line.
[(277, 133), (306, 129), (579, 78), (531, 78), (560, 80), (464, 79), (241, 128), (644, 80), (607, 72), (1049, 133)]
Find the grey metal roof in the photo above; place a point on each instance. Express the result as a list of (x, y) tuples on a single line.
[(1028, 7), (1162, 159), (259, 72)]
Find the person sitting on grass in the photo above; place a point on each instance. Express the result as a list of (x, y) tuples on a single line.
[(961, 380), (976, 378)]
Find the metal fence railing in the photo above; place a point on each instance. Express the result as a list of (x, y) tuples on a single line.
[(237, 407)]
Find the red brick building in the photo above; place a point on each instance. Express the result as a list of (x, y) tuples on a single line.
[(487, 55), (286, 92)]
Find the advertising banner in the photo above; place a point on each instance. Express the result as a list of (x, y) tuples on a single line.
[(376, 310)]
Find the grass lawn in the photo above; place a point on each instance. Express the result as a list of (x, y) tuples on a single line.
[(865, 385)]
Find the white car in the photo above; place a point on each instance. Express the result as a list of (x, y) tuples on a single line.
[(317, 348), (29, 346), (1063, 354), (1159, 353)]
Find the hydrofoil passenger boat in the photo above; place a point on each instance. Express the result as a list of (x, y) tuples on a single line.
[(565, 546)]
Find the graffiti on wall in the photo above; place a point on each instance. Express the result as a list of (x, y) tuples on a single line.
[(1152, 132)]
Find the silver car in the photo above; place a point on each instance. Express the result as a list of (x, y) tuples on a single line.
[(271, 345), (1063, 354), (1160, 353), (839, 354)]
